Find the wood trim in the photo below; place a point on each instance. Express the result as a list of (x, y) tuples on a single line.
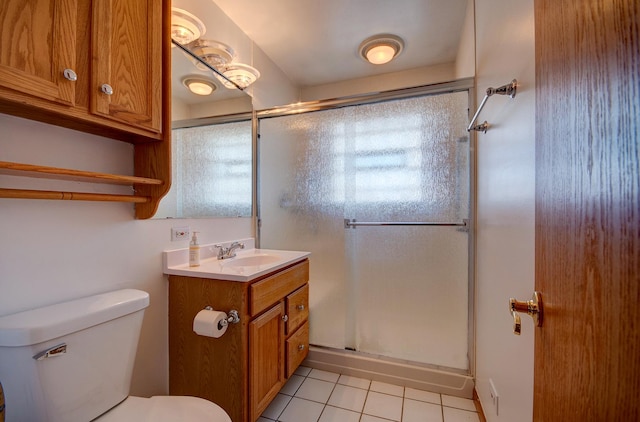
[(31, 170), (70, 196), (478, 405)]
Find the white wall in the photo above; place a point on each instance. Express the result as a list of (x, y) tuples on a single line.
[(505, 206), (51, 251), (466, 58)]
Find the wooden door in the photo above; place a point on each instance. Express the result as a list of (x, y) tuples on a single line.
[(587, 354), (37, 44), (266, 359), (127, 59)]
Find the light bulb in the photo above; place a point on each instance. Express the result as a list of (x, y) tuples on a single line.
[(381, 54), (199, 87)]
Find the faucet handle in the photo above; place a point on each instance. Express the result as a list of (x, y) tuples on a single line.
[(221, 250)]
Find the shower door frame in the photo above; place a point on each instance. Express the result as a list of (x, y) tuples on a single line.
[(466, 84)]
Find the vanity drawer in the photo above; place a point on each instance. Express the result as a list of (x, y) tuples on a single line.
[(273, 289), (297, 348), (297, 308)]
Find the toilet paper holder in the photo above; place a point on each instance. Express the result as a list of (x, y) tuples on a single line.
[(232, 317)]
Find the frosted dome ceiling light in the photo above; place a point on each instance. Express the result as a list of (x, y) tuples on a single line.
[(242, 75), (381, 49), (199, 86), (185, 27), (215, 53)]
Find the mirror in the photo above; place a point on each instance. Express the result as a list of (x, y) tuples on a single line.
[(309, 52), (212, 135)]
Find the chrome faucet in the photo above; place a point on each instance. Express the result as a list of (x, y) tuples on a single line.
[(230, 252)]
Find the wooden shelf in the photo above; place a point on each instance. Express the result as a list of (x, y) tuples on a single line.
[(30, 170)]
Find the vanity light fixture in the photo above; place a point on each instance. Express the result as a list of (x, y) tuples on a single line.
[(199, 86), (241, 74), (185, 27), (380, 49), (215, 53)]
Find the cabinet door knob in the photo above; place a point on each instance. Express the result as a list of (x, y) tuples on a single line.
[(285, 318), (300, 307), (301, 347), (107, 89), (70, 75)]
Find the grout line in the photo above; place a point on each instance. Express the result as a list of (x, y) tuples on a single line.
[(368, 390)]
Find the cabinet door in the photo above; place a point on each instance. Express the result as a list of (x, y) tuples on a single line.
[(266, 359), (126, 66), (37, 44)]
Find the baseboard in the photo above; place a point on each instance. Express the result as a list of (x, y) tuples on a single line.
[(478, 404), (423, 377)]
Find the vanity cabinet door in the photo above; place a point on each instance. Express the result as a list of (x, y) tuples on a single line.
[(266, 359), (126, 80), (37, 44)]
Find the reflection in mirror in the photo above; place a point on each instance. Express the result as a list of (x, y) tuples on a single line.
[(212, 172)]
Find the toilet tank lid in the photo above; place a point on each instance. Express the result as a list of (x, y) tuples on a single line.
[(42, 324)]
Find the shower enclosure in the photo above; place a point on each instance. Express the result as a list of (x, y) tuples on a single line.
[(379, 193)]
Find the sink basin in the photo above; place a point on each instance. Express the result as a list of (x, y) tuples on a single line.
[(251, 261)]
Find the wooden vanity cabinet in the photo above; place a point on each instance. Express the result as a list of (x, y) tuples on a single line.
[(243, 370)]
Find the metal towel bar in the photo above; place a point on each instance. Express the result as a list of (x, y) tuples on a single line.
[(352, 224), (508, 89)]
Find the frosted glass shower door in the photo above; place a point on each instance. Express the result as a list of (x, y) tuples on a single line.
[(399, 291)]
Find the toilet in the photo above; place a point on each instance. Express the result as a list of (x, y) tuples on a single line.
[(73, 361)]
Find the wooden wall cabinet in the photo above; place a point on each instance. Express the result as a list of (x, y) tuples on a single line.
[(101, 67), (243, 370)]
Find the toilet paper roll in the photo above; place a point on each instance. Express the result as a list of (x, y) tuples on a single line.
[(207, 323)]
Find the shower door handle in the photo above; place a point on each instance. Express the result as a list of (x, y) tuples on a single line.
[(531, 307)]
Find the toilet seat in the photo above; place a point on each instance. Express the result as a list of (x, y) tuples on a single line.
[(165, 409)]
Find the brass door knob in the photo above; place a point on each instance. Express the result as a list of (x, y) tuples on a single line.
[(531, 307)]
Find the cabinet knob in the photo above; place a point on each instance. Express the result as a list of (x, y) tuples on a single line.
[(285, 318), (107, 89), (300, 307), (70, 75), (301, 347)]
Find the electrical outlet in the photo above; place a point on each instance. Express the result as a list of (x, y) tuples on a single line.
[(494, 395), (179, 233)]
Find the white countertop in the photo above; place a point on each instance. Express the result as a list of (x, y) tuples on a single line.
[(176, 262)]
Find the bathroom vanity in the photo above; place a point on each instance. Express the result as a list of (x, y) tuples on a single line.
[(244, 369)]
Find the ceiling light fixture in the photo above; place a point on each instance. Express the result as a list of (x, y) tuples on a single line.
[(241, 74), (214, 53), (185, 27), (380, 49), (198, 85)]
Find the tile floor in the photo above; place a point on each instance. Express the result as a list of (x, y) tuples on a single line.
[(312, 395)]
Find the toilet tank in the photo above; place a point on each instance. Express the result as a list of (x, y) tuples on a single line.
[(70, 361)]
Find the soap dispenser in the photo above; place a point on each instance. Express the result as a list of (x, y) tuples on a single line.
[(194, 251)]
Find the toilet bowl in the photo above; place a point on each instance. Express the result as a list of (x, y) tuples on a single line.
[(73, 361)]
